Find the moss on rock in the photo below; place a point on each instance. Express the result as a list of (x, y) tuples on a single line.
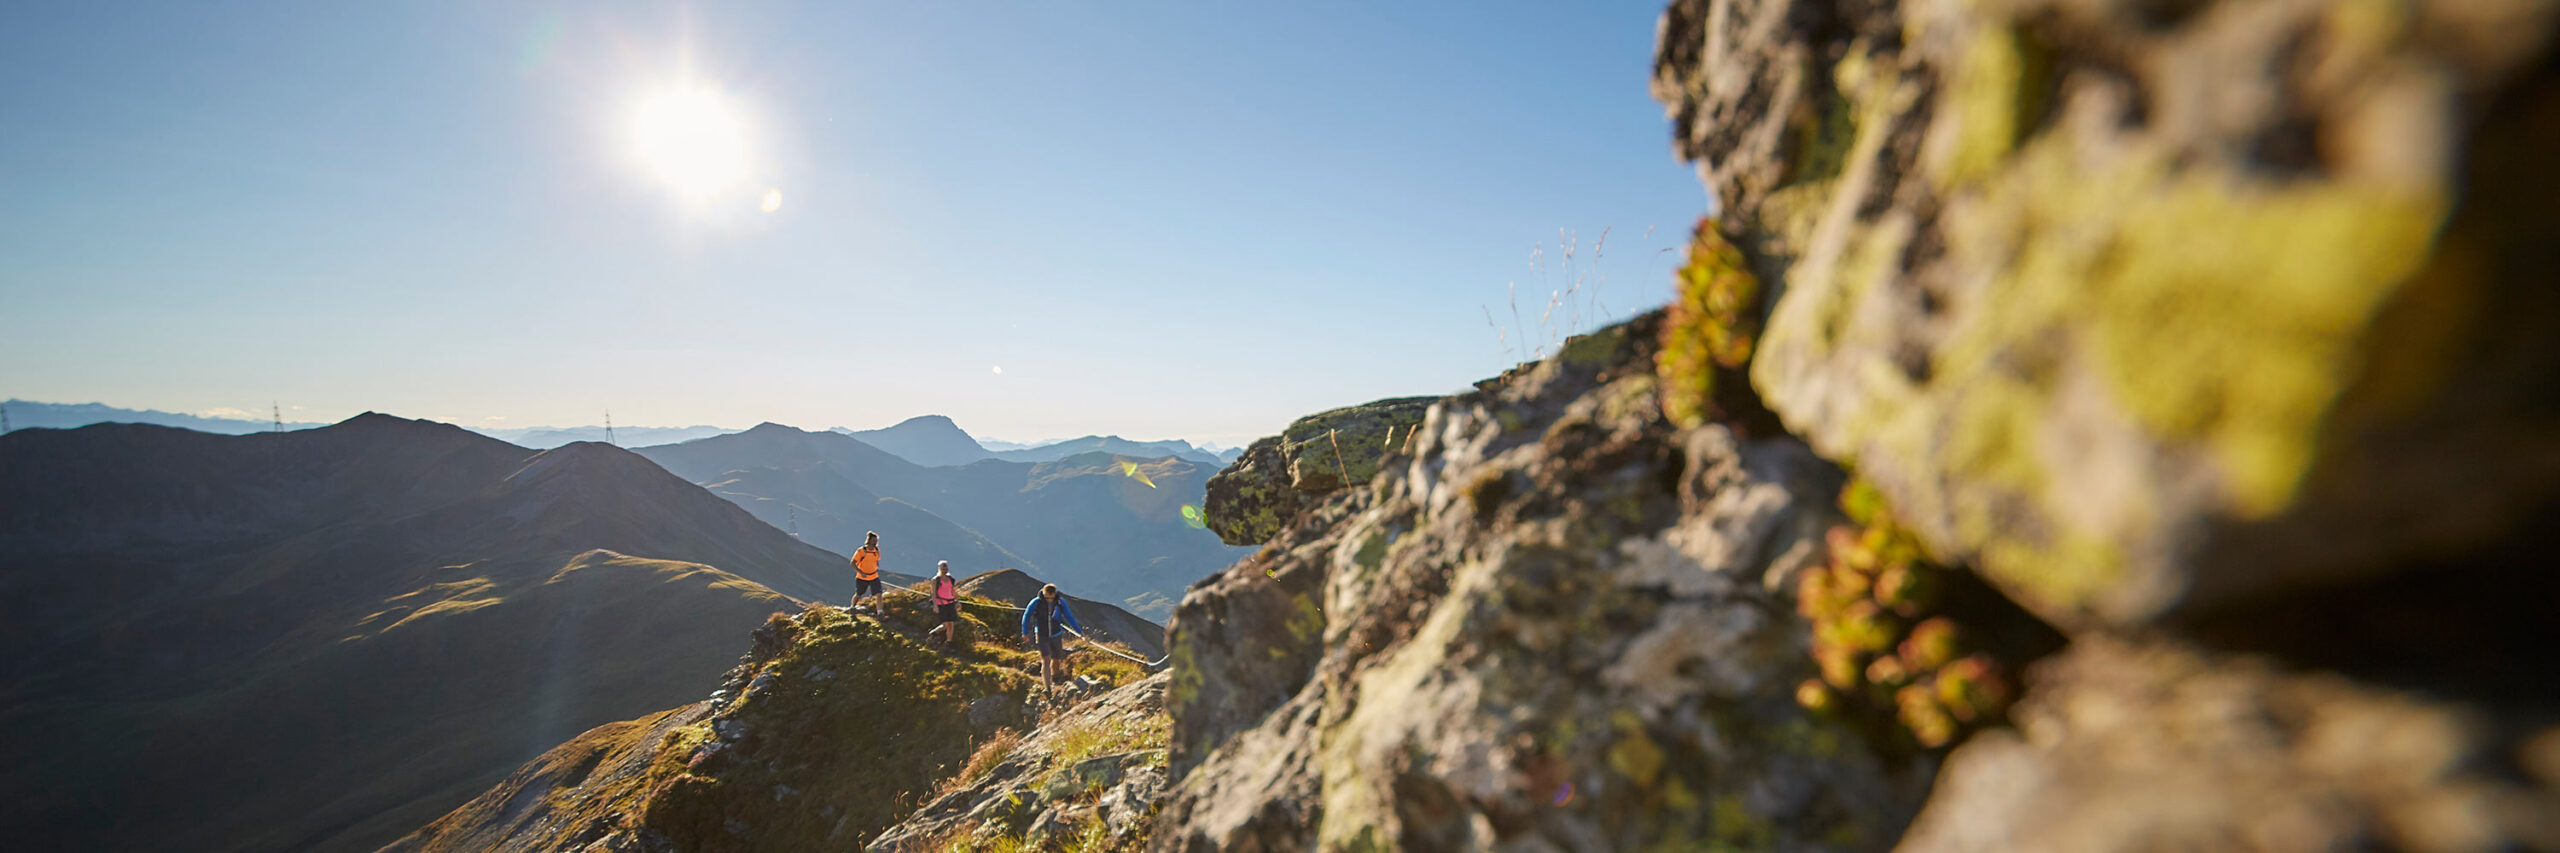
[(1280, 476)]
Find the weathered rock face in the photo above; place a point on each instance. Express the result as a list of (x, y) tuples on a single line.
[(1245, 640), (1280, 476), (2145, 306), (2218, 333), (1549, 627)]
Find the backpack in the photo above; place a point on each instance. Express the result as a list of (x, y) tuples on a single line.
[(1044, 618), (946, 591)]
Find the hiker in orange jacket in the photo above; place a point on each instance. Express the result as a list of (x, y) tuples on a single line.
[(866, 572), (946, 601)]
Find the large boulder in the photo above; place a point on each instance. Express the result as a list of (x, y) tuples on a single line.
[(1280, 476), (1550, 627), (1247, 638), (2147, 307)]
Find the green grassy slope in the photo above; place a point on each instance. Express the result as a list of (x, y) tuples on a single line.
[(839, 726)]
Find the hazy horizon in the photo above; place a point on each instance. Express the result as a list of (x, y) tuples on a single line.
[(296, 417)]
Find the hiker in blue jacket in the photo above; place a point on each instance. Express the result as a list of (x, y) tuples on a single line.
[(1041, 620)]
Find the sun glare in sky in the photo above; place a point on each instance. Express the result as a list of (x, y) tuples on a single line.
[(692, 138)]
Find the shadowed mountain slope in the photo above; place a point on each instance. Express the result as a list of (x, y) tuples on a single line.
[(320, 639), (827, 510)]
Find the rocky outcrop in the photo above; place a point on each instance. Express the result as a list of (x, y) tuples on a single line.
[(2144, 307), (2216, 333), (1088, 777), (1245, 640), (1281, 476), (1552, 626)]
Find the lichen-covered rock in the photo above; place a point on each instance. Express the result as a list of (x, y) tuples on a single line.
[(1555, 626), (1280, 476), (2142, 307), (1246, 639), (2152, 746)]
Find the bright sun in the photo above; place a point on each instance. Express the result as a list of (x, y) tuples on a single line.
[(692, 139)]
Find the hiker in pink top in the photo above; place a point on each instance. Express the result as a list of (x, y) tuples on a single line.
[(946, 601)]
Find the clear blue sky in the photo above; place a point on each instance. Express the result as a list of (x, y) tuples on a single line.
[(1181, 219)]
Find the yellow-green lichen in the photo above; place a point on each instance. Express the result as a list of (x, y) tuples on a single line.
[(1995, 95), (1737, 826), (2216, 317), (1634, 754), (1594, 349), (1306, 620), (2234, 314)]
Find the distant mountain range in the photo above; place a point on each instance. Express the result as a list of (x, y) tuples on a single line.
[(27, 413), (1104, 526), (1116, 446), (24, 414), (933, 440), (928, 440), (628, 436), (320, 639)]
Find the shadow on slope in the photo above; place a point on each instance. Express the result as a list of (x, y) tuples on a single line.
[(318, 639)]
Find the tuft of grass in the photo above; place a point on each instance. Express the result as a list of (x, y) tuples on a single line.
[(989, 754), (1107, 737)]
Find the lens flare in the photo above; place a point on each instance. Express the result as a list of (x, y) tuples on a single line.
[(772, 201), (1191, 515), (1130, 469)]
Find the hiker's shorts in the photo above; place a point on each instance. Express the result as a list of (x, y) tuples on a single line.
[(948, 612), (865, 587), (1053, 646)]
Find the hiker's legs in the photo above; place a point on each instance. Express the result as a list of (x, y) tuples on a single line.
[(1052, 659)]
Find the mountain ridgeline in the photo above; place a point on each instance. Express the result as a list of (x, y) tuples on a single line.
[(322, 639), (934, 441), (1106, 527), (319, 639)]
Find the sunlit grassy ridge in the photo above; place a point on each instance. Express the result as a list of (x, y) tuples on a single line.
[(838, 725)]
